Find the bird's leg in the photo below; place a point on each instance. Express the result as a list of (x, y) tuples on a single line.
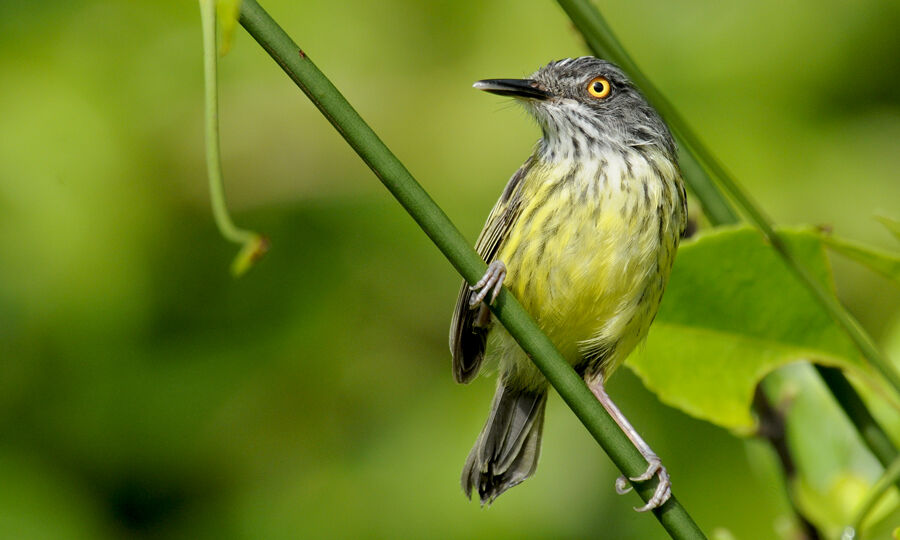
[(654, 464), (491, 282)]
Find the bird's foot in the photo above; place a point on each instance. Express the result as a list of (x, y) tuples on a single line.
[(663, 489), (490, 283)]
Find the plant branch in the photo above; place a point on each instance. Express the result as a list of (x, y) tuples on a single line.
[(872, 434), (890, 477), (254, 245), (603, 43), (772, 428), (453, 245)]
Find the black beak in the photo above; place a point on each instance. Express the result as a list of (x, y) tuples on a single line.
[(519, 88)]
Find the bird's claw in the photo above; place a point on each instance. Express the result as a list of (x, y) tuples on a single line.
[(663, 489), (490, 283)]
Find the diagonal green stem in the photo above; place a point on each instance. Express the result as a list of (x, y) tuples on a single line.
[(453, 245), (603, 43), (253, 244), (869, 429), (890, 477)]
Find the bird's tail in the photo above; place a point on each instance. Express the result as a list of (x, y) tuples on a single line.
[(507, 450)]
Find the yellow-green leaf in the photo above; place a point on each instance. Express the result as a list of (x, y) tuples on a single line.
[(228, 12), (892, 225), (732, 313), (252, 251), (886, 264)]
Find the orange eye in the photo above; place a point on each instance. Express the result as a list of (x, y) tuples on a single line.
[(599, 87)]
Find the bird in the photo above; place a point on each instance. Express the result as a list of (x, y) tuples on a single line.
[(584, 235)]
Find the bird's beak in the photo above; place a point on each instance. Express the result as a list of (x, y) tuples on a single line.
[(518, 88)]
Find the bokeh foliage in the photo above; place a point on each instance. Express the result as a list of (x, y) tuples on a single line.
[(144, 392)]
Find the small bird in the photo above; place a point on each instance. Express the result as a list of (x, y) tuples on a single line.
[(584, 235)]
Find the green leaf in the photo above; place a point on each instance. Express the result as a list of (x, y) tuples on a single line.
[(831, 511), (886, 264), (892, 225), (732, 313), (228, 12), (252, 251)]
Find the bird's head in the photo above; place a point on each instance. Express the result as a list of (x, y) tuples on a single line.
[(586, 102)]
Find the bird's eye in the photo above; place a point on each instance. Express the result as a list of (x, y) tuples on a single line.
[(599, 87)]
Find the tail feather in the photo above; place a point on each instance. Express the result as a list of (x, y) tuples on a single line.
[(507, 450)]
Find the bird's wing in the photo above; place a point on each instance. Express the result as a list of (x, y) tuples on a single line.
[(469, 326)]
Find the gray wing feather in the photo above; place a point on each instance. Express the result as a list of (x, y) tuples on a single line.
[(469, 326)]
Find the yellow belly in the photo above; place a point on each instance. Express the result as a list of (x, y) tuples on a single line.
[(589, 258)]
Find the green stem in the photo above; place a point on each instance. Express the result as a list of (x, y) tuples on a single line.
[(890, 477), (772, 427), (454, 246), (872, 434), (603, 42), (253, 244)]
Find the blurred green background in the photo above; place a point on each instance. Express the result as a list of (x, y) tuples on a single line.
[(144, 393)]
